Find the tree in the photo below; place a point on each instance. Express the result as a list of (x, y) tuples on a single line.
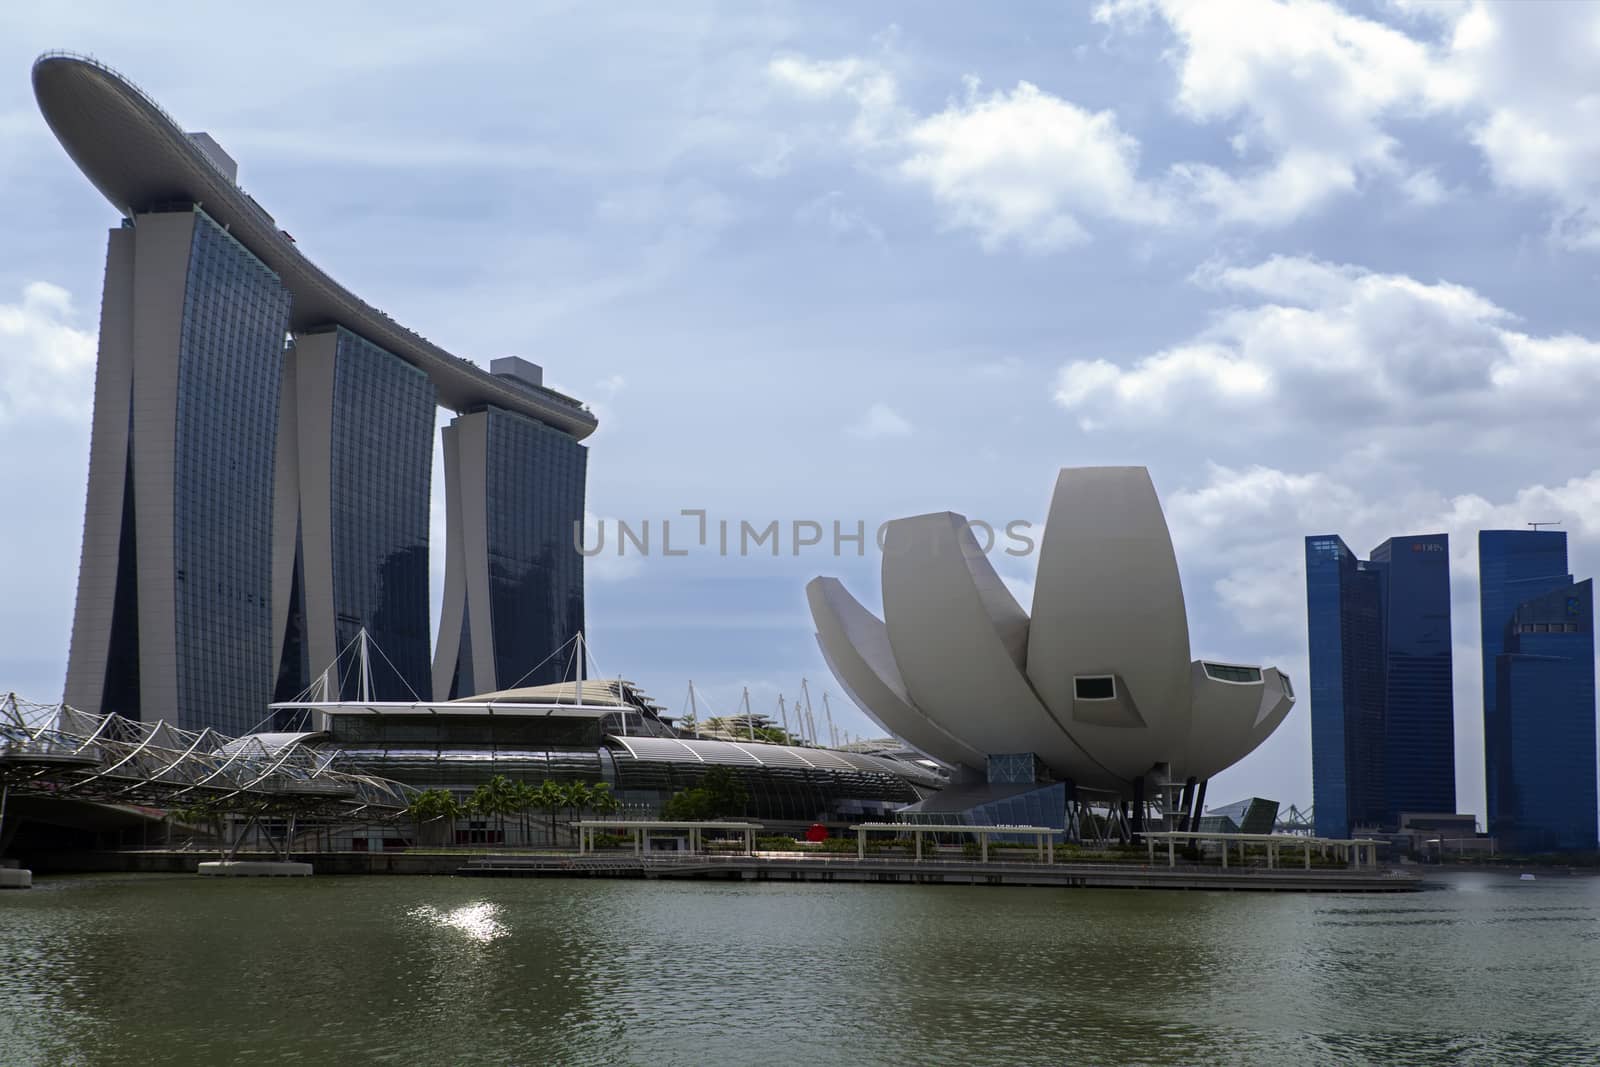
[(728, 794), (526, 799), (431, 805), (549, 797), (719, 794), (602, 801), (495, 798), (689, 805), (575, 796)]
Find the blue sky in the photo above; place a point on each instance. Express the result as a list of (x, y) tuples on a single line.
[(1319, 267)]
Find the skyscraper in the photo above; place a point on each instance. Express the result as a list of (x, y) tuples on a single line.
[(1419, 726), (1513, 566), (1382, 709), (175, 582), (1539, 717), (261, 449), (513, 574), (355, 464)]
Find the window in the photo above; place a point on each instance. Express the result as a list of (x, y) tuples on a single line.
[(1095, 687), (1288, 687), (1225, 672)]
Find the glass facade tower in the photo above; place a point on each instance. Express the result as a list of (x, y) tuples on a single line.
[(1513, 566), (1419, 727), (174, 592), (1539, 695), (1382, 706), (360, 445), (514, 572), (1344, 626), (1544, 742)]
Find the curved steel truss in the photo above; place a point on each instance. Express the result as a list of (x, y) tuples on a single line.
[(58, 751)]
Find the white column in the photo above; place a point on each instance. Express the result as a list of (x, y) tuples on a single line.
[(916, 836), (861, 843), (1150, 850), (983, 844), (638, 841), (1224, 854), (1172, 855)]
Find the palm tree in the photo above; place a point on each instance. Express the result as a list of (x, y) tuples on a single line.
[(495, 797), (549, 797), (524, 798), (431, 805), (575, 796), (602, 801)]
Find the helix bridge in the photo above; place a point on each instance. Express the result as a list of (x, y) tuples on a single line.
[(57, 751)]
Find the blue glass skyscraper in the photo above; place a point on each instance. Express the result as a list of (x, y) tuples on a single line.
[(1419, 727), (1539, 699), (1513, 566), (1382, 709), (1344, 626)]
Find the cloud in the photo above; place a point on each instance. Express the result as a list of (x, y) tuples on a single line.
[(1309, 85), (1315, 95), (1014, 167), (1021, 166), (1246, 527), (1343, 348), (830, 213), (46, 362), (881, 421)]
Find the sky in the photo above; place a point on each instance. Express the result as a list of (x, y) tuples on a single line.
[(1321, 268)]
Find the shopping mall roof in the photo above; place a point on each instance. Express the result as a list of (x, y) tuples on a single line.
[(760, 754)]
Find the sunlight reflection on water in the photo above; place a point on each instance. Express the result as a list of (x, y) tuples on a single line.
[(479, 920)]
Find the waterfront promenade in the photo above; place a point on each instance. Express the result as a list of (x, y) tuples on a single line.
[(788, 867)]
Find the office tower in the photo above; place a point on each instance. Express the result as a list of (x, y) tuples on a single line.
[(1382, 709), (1419, 728), (513, 571), (1539, 722), (1513, 566), (255, 503)]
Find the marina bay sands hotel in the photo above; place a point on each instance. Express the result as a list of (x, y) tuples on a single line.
[(262, 452)]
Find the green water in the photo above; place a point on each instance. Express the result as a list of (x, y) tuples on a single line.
[(157, 969)]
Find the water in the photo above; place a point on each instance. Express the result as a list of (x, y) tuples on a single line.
[(157, 969)]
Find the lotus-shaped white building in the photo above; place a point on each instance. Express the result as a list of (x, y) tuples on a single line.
[(1097, 684)]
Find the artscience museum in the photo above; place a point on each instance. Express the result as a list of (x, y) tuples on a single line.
[(1091, 696)]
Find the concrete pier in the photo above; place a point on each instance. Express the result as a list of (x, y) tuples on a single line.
[(15, 878), (944, 872), (254, 869)]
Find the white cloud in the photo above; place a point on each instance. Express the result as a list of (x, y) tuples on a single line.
[(1018, 167), (881, 421), (1343, 348), (1246, 527), (1022, 166), (46, 362), (1315, 94)]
